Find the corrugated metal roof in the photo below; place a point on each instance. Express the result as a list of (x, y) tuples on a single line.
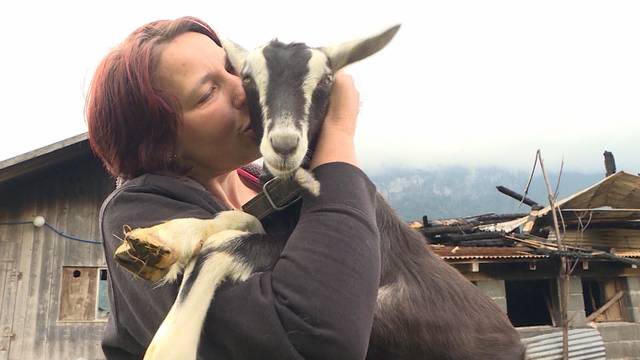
[(474, 252), (498, 253), (618, 192), (629, 253), (584, 344)]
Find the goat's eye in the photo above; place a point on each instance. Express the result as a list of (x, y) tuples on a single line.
[(247, 80), (327, 80)]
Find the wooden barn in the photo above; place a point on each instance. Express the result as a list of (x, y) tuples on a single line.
[(53, 299)]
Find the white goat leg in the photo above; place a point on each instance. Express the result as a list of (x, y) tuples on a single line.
[(179, 334), (178, 240), (306, 179)]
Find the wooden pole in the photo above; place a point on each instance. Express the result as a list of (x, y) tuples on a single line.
[(564, 274)]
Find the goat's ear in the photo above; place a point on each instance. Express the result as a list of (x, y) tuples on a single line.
[(235, 53), (351, 51)]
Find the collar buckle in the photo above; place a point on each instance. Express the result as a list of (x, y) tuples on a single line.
[(265, 190)]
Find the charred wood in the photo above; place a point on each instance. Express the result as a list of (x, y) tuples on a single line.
[(443, 229), (466, 237), (482, 243), (475, 220), (517, 196), (609, 163), (495, 218)]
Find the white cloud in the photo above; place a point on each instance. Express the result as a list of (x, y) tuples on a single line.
[(464, 82)]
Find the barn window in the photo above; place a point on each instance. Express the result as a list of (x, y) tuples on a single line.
[(529, 302), (603, 299), (83, 294), (102, 310)]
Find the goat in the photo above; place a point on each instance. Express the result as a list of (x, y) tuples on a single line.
[(425, 308)]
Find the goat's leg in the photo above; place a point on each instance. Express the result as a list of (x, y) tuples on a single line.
[(307, 181), (161, 252), (179, 333)]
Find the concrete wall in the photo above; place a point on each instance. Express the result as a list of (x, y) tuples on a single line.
[(495, 290), (621, 340), (631, 299), (575, 303)]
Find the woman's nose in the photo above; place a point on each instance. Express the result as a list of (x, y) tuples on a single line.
[(239, 96)]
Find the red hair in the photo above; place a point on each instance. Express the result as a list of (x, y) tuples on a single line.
[(132, 124)]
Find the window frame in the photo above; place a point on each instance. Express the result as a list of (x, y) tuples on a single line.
[(94, 293)]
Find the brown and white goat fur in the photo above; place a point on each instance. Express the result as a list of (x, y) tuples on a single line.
[(425, 308)]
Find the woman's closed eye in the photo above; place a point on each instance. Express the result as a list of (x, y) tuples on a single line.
[(208, 94)]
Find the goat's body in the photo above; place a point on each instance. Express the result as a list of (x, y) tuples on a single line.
[(427, 309)]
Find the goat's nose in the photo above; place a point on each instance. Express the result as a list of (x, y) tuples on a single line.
[(284, 144)]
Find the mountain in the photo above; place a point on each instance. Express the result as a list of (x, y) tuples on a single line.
[(459, 191)]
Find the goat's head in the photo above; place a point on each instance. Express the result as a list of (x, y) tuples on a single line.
[(288, 87)]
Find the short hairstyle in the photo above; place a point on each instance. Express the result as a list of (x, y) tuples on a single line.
[(132, 123)]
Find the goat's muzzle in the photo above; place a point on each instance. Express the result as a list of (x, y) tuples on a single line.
[(283, 151), (284, 144)]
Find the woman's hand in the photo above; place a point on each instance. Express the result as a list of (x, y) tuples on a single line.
[(336, 137)]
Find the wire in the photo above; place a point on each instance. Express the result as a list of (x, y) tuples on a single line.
[(526, 188), (16, 222), (70, 237)]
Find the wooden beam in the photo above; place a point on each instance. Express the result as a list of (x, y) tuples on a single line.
[(475, 266), (531, 221), (606, 306)]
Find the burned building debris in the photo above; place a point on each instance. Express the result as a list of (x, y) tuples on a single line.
[(514, 258)]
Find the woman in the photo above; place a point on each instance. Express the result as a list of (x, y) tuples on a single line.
[(167, 114)]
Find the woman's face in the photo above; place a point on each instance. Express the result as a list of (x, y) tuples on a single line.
[(215, 136)]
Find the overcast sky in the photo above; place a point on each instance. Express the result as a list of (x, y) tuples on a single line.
[(482, 83)]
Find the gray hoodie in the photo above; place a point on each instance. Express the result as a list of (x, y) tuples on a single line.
[(316, 303)]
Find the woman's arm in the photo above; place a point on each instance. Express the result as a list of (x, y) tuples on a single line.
[(327, 278), (318, 301)]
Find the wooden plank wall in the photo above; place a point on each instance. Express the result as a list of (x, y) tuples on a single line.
[(608, 238), (69, 197)]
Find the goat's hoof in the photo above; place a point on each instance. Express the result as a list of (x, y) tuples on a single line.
[(145, 256), (306, 180), (238, 220)]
